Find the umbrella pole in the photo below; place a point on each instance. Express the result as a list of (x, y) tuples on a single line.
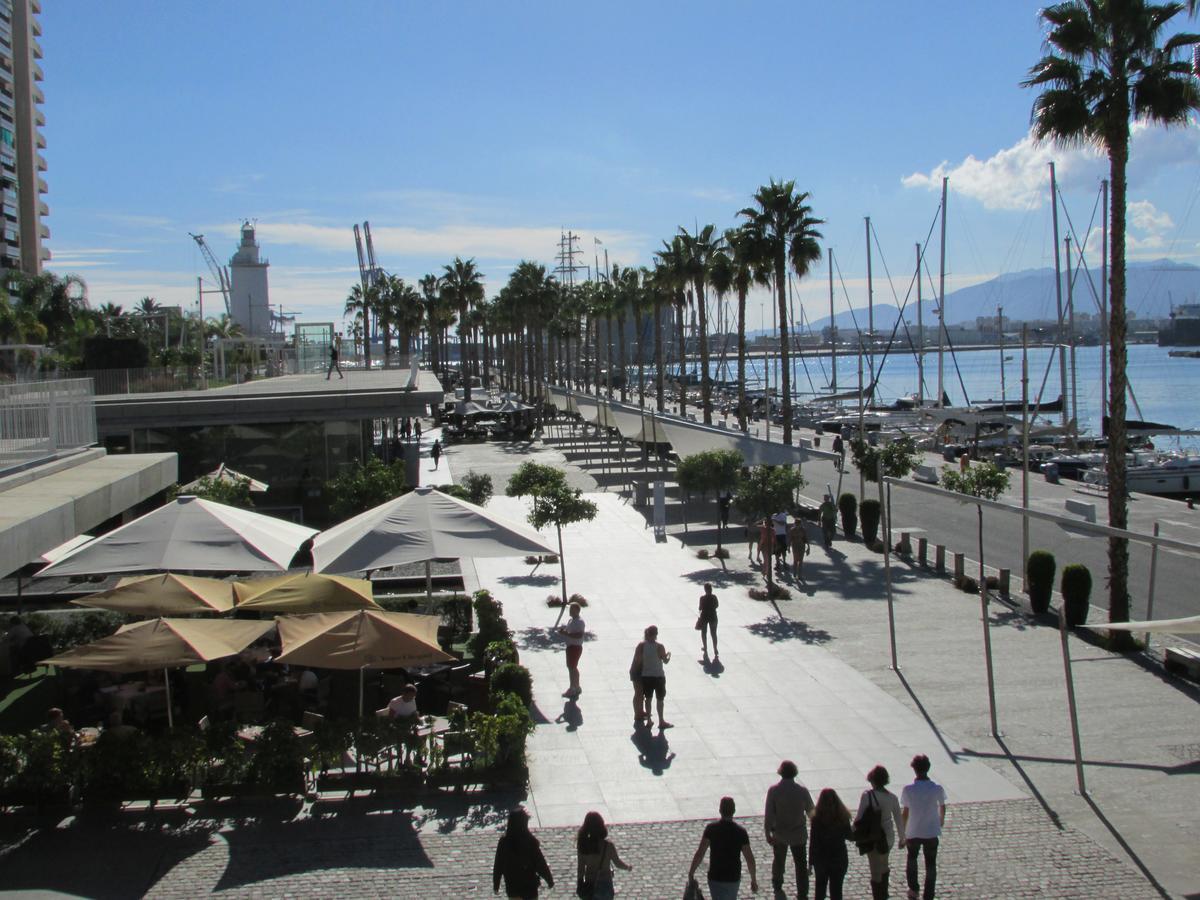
[(170, 713), (428, 581), (361, 676)]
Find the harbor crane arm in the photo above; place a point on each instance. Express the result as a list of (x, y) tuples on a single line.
[(219, 272)]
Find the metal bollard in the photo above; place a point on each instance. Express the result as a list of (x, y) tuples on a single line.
[(939, 554), (923, 551), (960, 567), (905, 544), (1005, 577)]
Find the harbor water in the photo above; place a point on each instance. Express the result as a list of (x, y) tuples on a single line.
[(1166, 389)]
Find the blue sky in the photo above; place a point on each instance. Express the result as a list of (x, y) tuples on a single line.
[(483, 129)]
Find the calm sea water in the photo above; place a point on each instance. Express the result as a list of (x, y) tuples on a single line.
[(1166, 389)]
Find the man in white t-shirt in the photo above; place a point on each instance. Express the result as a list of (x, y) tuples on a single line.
[(780, 521), (404, 706), (573, 631), (923, 810)]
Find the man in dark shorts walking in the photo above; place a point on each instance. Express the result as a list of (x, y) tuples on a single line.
[(333, 358), (707, 621), (730, 844)]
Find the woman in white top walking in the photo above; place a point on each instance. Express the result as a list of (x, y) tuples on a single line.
[(653, 656), (881, 799), (573, 631)]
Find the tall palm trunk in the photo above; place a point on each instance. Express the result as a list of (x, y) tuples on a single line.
[(621, 354), (641, 357), (608, 381), (705, 381), (741, 363), (785, 378), (682, 358), (1118, 498), (659, 367)]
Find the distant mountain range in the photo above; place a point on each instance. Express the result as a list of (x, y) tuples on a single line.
[(1152, 289)]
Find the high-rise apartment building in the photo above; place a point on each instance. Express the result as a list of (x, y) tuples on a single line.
[(21, 164)]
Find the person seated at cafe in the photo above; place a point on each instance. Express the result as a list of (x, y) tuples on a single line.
[(117, 727), (223, 688), (404, 707), (310, 687), (56, 723)]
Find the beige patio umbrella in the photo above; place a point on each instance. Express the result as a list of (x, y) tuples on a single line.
[(1186, 625), (305, 592), (367, 639), (163, 644), (164, 595)]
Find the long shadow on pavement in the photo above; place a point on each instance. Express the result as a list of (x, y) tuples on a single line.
[(654, 752)]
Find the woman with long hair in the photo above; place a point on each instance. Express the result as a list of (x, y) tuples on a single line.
[(827, 844), (519, 860), (597, 855)]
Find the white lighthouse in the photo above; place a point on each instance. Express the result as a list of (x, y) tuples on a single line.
[(248, 291)]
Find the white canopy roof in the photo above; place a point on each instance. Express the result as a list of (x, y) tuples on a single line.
[(421, 525), (1186, 625), (189, 535)]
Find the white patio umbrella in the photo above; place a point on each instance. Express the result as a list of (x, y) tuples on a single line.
[(1186, 625), (227, 475), (420, 526), (189, 535)]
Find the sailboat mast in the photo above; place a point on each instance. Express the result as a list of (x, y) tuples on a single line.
[(920, 338), (1062, 359), (870, 307), (1104, 302), (1071, 329), (942, 306), (1000, 331), (832, 331)]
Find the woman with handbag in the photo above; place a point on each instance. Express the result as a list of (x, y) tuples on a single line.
[(880, 805), (827, 844), (597, 855)]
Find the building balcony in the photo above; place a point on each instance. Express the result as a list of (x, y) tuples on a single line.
[(37, 49), (44, 231), (38, 74), (38, 96), (43, 208), (42, 187), (40, 141), (41, 163), (39, 118)]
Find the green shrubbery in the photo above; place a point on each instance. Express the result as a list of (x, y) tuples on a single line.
[(70, 629), (1076, 589), (1039, 579), (848, 509), (490, 624), (513, 678), (869, 514)]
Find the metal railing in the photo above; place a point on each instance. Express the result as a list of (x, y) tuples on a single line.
[(41, 418)]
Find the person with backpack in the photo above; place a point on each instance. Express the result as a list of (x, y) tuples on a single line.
[(519, 860), (877, 827)]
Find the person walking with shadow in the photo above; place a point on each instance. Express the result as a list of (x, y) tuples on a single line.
[(653, 657), (707, 620), (730, 844), (828, 515), (789, 807), (333, 358), (436, 452), (923, 810), (827, 846), (519, 860), (798, 538)]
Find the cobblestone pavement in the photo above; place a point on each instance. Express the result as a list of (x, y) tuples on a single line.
[(1006, 849)]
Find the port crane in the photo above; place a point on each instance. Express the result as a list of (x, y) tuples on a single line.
[(220, 273)]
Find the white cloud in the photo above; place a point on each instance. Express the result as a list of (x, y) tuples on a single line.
[(1143, 215), (1017, 177)]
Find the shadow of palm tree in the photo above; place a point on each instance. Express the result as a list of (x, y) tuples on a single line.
[(544, 638), (781, 629), (531, 580), (720, 577)]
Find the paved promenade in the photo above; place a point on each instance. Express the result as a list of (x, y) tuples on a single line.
[(809, 680)]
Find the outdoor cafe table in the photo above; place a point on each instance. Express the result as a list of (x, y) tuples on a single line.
[(251, 733)]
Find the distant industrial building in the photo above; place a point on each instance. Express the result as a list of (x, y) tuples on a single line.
[(21, 163)]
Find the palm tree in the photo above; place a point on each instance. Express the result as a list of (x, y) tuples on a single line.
[(1106, 62), (223, 327), (699, 250), (671, 270), (748, 267), (359, 304), (662, 293), (782, 223), (462, 286), (53, 299)]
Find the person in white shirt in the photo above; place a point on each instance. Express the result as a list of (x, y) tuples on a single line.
[(923, 808), (573, 631), (404, 706)]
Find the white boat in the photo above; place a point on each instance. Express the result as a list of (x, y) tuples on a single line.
[(1171, 476)]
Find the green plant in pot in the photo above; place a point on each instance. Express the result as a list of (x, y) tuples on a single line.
[(1039, 579), (848, 508), (869, 514), (1076, 588)]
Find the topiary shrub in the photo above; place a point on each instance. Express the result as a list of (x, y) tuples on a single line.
[(869, 514), (969, 585), (1076, 588), (512, 678), (1039, 579), (848, 508)]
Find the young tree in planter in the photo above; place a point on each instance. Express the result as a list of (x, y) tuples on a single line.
[(1076, 589), (848, 508), (360, 487), (710, 470), (869, 512), (231, 493), (764, 490), (554, 503), (1039, 580), (898, 458)]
